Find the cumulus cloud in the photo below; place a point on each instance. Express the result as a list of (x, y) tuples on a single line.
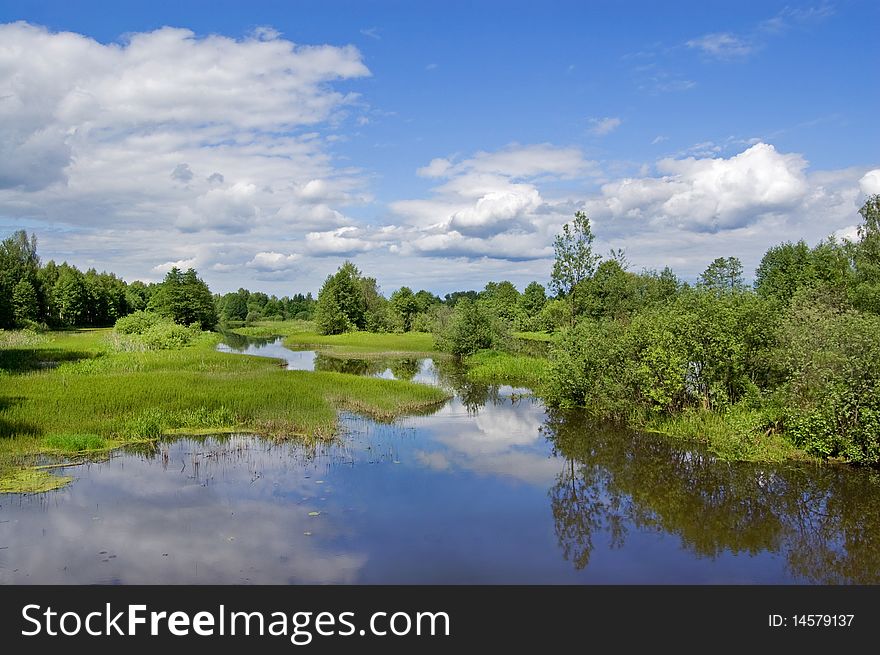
[(342, 241), (870, 182), (489, 205), (132, 136), (711, 193), (273, 261)]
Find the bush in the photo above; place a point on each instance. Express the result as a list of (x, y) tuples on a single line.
[(150, 331), (137, 322), (831, 391), (471, 328)]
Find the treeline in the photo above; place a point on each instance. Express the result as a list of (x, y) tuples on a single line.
[(251, 306), (348, 300), (59, 295), (54, 295)]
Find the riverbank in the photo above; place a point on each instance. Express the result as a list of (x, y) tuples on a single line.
[(71, 393)]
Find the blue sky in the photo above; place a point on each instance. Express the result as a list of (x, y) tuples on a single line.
[(438, 145)]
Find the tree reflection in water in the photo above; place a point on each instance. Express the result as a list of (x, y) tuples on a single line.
[(824, 519)]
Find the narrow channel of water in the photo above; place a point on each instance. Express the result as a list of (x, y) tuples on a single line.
[(491, 488)]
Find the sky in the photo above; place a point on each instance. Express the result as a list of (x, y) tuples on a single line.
[(438, 145)]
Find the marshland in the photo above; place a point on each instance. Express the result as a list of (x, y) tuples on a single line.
[(161, 433)]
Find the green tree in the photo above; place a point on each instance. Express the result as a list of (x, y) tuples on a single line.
[(69, 296), (502, 299), (574, 261), (185, 299), (723, 275), (406, 305), (348, 296), (329, 316), (533, 299), (18, 261), (866, 258), (24, 302), (469, 329)]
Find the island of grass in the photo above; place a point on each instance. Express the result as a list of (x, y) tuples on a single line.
[(76, 392)]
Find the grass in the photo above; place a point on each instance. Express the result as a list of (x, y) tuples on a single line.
[(534, 336), (494, 367), (736, 434), (302, 335), (99, 395)]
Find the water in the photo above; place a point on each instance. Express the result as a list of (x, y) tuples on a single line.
[(492, 488)]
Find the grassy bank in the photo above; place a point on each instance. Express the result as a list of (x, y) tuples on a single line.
[(494, 367), (302, 335), (71, 392), (737, 434)]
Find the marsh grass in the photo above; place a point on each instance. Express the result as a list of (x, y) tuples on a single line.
[(736, 434), (122, 397), (75, 443), (494, 367), (301, 335)]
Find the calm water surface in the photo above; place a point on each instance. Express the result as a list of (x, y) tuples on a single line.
[(491, 488)]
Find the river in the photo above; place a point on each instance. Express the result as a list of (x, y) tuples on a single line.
[(490, 488)]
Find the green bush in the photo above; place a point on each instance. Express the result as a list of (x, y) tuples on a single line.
[(831, 391), (137, 322), (470, 328), (150, 331)]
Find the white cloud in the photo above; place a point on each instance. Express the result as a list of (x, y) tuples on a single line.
[(659, 139), (178, 139), (603, 126), (489, 205), (342, 241), (870, 182), (712, 193), (273, 261)]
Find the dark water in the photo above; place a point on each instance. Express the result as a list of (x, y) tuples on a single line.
[(490, 488)]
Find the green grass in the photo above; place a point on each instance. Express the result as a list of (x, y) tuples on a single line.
[(302, 335), (534, 336), (736, 434), (494, 367), (75, 443), (276, 328), (119, 397)]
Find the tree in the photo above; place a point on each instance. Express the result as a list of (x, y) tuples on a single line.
[(406, 305), (574, 259), (348, 297), (24, 302), (866, 258), (723, 275), (329, 316), (185, 299), (69, 296), (533, 299), (502, 298), (18, 261)]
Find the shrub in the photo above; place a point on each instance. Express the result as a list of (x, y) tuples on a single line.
[(471, 328), (137, 322)]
